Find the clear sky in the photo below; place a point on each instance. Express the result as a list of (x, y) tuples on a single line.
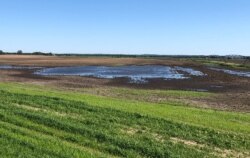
[(126, 26)]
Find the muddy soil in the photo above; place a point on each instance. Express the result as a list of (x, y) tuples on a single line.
[(233, 91)]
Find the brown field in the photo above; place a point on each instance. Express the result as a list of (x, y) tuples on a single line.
[(233, 92), (31, 60)]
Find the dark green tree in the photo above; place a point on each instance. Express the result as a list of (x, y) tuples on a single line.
[(19, 52)]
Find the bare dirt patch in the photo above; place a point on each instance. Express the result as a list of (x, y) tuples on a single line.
[(186, 142), (216, 151)]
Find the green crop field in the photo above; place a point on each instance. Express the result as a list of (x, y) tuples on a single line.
[(37, 121)]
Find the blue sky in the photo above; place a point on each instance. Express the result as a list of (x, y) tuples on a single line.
[(126, 26)]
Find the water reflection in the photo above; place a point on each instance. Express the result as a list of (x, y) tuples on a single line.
[(134, 73)]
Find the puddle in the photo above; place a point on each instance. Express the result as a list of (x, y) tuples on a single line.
[(198, 90), (233, 72), (216, 86), (190, 71), (9, 67), (136, 74)]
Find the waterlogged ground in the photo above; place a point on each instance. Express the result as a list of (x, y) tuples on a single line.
[(74, 116), (10, 67), (233, 72), (134, 73)]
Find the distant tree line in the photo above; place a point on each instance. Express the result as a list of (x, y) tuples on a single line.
[(20, 52), (159, 56), (41, 53)]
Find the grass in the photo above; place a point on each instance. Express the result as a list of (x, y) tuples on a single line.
[(36, 120), (174, 97), (170, 93), (225, 63)]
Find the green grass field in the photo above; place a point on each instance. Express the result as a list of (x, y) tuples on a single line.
[(38, 121), (243, 65)]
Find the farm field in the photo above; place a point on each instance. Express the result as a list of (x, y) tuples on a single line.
[(124, 79), (72, 116)]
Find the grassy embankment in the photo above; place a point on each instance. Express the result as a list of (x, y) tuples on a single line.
[(49, 123)]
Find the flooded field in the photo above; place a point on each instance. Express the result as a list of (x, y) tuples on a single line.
[(154, 106), (234, 72), (9, 67), (134, 73)]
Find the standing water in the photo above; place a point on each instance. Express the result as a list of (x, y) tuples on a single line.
[(134, 73)]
